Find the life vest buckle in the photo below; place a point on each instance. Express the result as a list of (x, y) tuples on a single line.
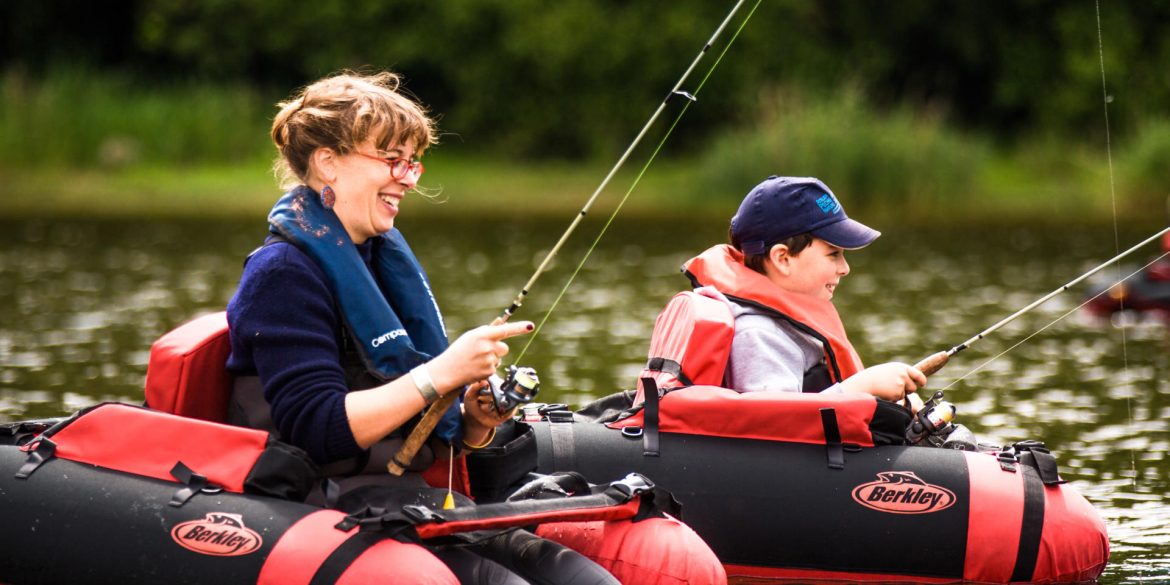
[(422, 514), (1031, 445), (632, 485), (1007, 460), (559, 416), (632, 432)]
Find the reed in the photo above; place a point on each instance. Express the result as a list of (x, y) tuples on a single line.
[(871, 158), (914, 164), (77, 141), (73, 118), (1142, 168)]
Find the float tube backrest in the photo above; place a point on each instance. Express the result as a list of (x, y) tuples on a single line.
[(691, 342), (186, 374)]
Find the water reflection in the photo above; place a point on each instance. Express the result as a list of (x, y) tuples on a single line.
[(83, 300), (80, 303)]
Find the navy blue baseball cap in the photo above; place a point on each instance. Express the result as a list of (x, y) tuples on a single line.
[(782, 207)]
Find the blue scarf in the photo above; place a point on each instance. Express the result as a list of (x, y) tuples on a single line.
[(395, 318)]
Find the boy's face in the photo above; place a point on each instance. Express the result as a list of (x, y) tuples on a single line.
[(815, 271)]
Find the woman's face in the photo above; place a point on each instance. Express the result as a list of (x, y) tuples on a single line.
[(367, 194)]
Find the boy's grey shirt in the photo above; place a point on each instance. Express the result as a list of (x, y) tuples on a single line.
[(769, 354)]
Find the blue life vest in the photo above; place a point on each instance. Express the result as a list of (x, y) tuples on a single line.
[(394, 317)]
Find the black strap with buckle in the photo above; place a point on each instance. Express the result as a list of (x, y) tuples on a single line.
[(835, 450), (192, 482), (1036, 455)]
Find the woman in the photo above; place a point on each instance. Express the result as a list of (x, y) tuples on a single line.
[(337, 343)]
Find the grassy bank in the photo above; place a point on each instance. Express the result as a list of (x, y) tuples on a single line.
[(78, 144)]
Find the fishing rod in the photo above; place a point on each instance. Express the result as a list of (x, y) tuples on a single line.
[(423, 429), (935, 362)]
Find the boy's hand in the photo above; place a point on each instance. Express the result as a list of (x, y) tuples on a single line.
[(891, 381)]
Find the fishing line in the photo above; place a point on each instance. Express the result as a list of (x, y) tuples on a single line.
[(1113, 199), (1057, 320), (424, 427), (933, 363), (690, 98), (519, 300)]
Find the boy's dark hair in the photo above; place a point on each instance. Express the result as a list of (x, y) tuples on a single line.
[(756, 261)]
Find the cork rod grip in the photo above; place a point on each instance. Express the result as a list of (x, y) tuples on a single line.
[(933, 363), (418, 436), (422, 430)]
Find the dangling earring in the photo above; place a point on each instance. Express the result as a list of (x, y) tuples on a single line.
[(328, 197)]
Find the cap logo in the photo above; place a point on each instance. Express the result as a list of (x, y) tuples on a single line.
[(828, 204)]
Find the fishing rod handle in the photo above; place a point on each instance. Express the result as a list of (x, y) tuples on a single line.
[(418, 436), (933, 363), (928, 366), (422, 430)]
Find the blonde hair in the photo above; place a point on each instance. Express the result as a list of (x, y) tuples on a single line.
[(341, 111)]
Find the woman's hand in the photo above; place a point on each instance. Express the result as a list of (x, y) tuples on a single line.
[(479, 410), (474, 356), (891, 381)]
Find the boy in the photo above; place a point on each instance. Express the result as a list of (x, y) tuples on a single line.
[(786, 258)]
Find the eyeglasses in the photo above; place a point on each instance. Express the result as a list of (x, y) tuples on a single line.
[(400, 168)]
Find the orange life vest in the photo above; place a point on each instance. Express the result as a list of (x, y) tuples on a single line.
[(692, 336)]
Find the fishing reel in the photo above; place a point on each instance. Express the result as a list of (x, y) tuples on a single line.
[(520, 387), (933, 425)]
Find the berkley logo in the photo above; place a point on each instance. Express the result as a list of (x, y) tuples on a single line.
[(902, 492), (218, 534)]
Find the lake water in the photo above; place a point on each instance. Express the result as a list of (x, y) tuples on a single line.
[(81, 301)]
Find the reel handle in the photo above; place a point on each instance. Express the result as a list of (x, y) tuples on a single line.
[(422, 430)]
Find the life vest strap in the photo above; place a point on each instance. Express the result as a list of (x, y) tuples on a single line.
[(668, 366)]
